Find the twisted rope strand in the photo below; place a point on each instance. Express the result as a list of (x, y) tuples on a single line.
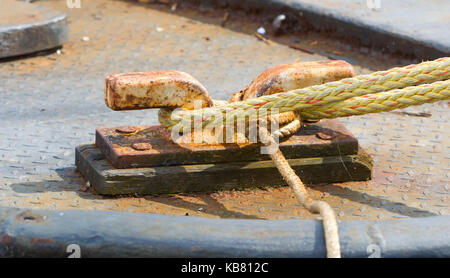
[(308, 99), (385, 101), (329, 222)]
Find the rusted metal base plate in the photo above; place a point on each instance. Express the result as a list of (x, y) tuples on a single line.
[(108, 180), (325, 138)]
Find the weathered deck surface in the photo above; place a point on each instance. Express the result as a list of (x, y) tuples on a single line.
[(52, 103), (423, 23)]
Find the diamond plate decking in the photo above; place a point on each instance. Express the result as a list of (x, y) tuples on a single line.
[(54, 102)]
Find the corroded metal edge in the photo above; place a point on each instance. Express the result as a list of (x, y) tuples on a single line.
[(213, 177), (21, 39), (49, 233)]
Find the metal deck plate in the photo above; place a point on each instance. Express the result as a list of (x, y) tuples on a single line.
[(307, 142), (51, 104)]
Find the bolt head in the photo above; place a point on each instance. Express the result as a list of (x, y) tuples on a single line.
[(141, 146), (126, 129), (328, 135)]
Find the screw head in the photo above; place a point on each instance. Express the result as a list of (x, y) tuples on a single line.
[(306, 121), (328, 135), (141, 146), (126, 129)]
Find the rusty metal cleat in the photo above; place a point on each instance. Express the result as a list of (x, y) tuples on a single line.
[(157, 89), (145, 160), (296, 75), (283, 78)]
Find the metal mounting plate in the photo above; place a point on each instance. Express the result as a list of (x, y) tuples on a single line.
[(325, 138)]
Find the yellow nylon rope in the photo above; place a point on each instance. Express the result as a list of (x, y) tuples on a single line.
[(329, 222), (380, 91), (384, 101)]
